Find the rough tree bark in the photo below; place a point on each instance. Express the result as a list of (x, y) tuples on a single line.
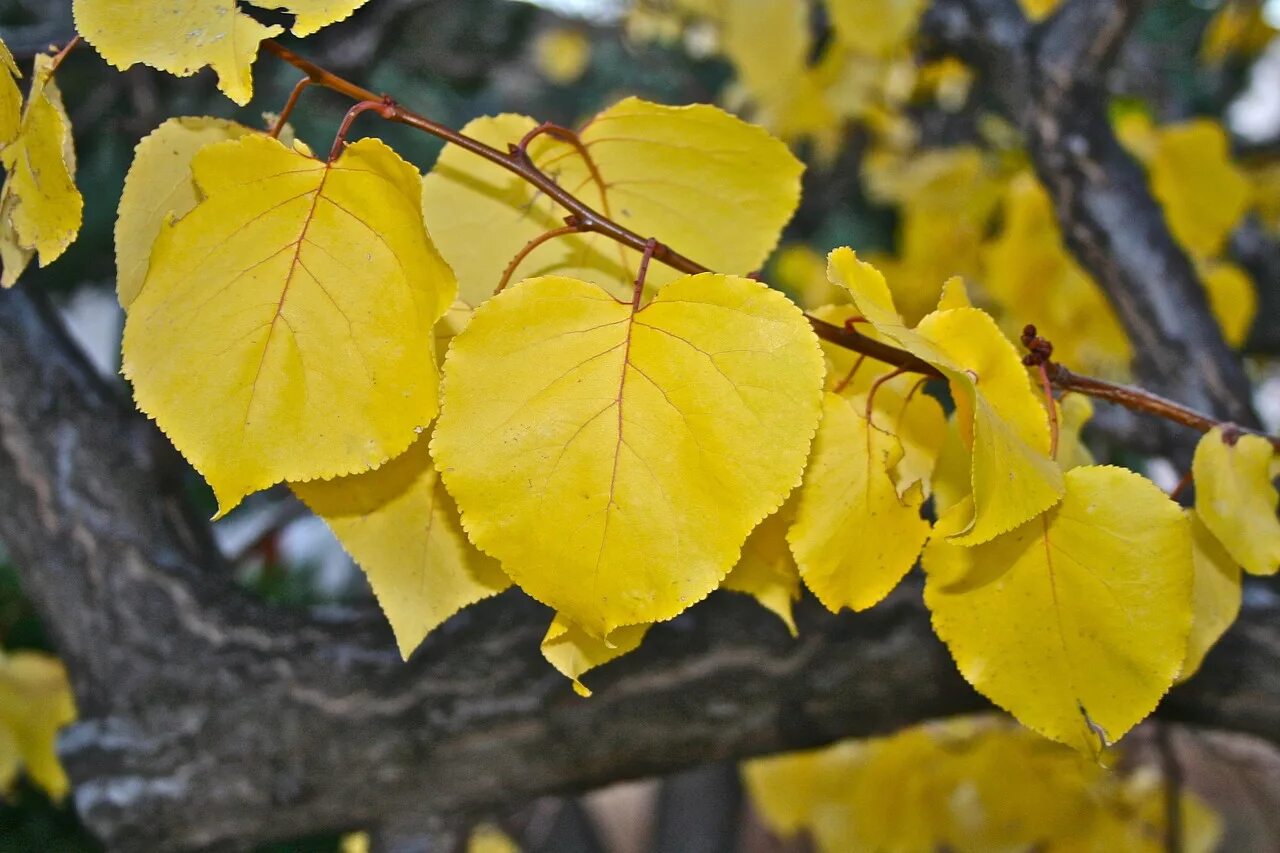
[(212, 720)]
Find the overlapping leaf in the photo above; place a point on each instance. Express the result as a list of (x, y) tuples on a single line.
[(10, 97), (159, 184), (1077, 621), (574, 652), (183, 36), (306, 293), (40, 207), (854, 537), (1236, 499), (615, 461), (402, 527), (1000, 418), (1215, 599), (766, 570), (706, 183)]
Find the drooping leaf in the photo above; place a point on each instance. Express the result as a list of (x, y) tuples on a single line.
[(1215, 598), (35, 702), (1000, 417), (1236, 499), (1077, 621), (854, 538), (766, 570), (657, 163), (159, 184), (10, 97), (40, 207), (306, 292), (183, 36), (402, 527), (573, 652), (614, 462)]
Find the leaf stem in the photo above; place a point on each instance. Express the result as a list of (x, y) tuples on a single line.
[(570, 228), (587, 219), (287, 110), (62, 54)]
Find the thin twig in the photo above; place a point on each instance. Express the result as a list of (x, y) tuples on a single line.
[(590, 220), (287, 110)]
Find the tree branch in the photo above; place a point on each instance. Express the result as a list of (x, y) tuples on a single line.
[(211, 719), (1049, 80)]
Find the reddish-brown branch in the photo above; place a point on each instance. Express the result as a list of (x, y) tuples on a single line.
[(587, 219)]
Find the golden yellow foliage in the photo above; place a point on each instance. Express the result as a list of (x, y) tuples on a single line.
[(971, 785), (402, 527), (10, 97), (573, 651), (1061, 621), (854, 538), (743, 183), (615, 460), (1204, 194), (1031, 277), (183, 36), (1215, 598), (562, 54), (35, 702), (1000, 418), (158, 185), (40, 207), (766, 571), (1236, 500), (313, 287)]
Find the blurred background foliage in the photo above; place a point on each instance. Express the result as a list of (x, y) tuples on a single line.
[(455, 60)]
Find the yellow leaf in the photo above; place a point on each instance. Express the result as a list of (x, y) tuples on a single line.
[(354, 842), (572, 651), (854, 539), (40, 207), (875, 27), (1000, 417), (800, 270), (1038, 9), (1239, 27), (1032, 278), (1236, 499), (159, 184), (307, 292), (183, 36), (615, 460), (1203, 193), (10, 97), (743, 183), (1013, 477), (402, 527), (1232, 299), (1074, 411), (1063, 621), (766, 570), (562, 54), (35, 702), (487, 838), (1215, 597)]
